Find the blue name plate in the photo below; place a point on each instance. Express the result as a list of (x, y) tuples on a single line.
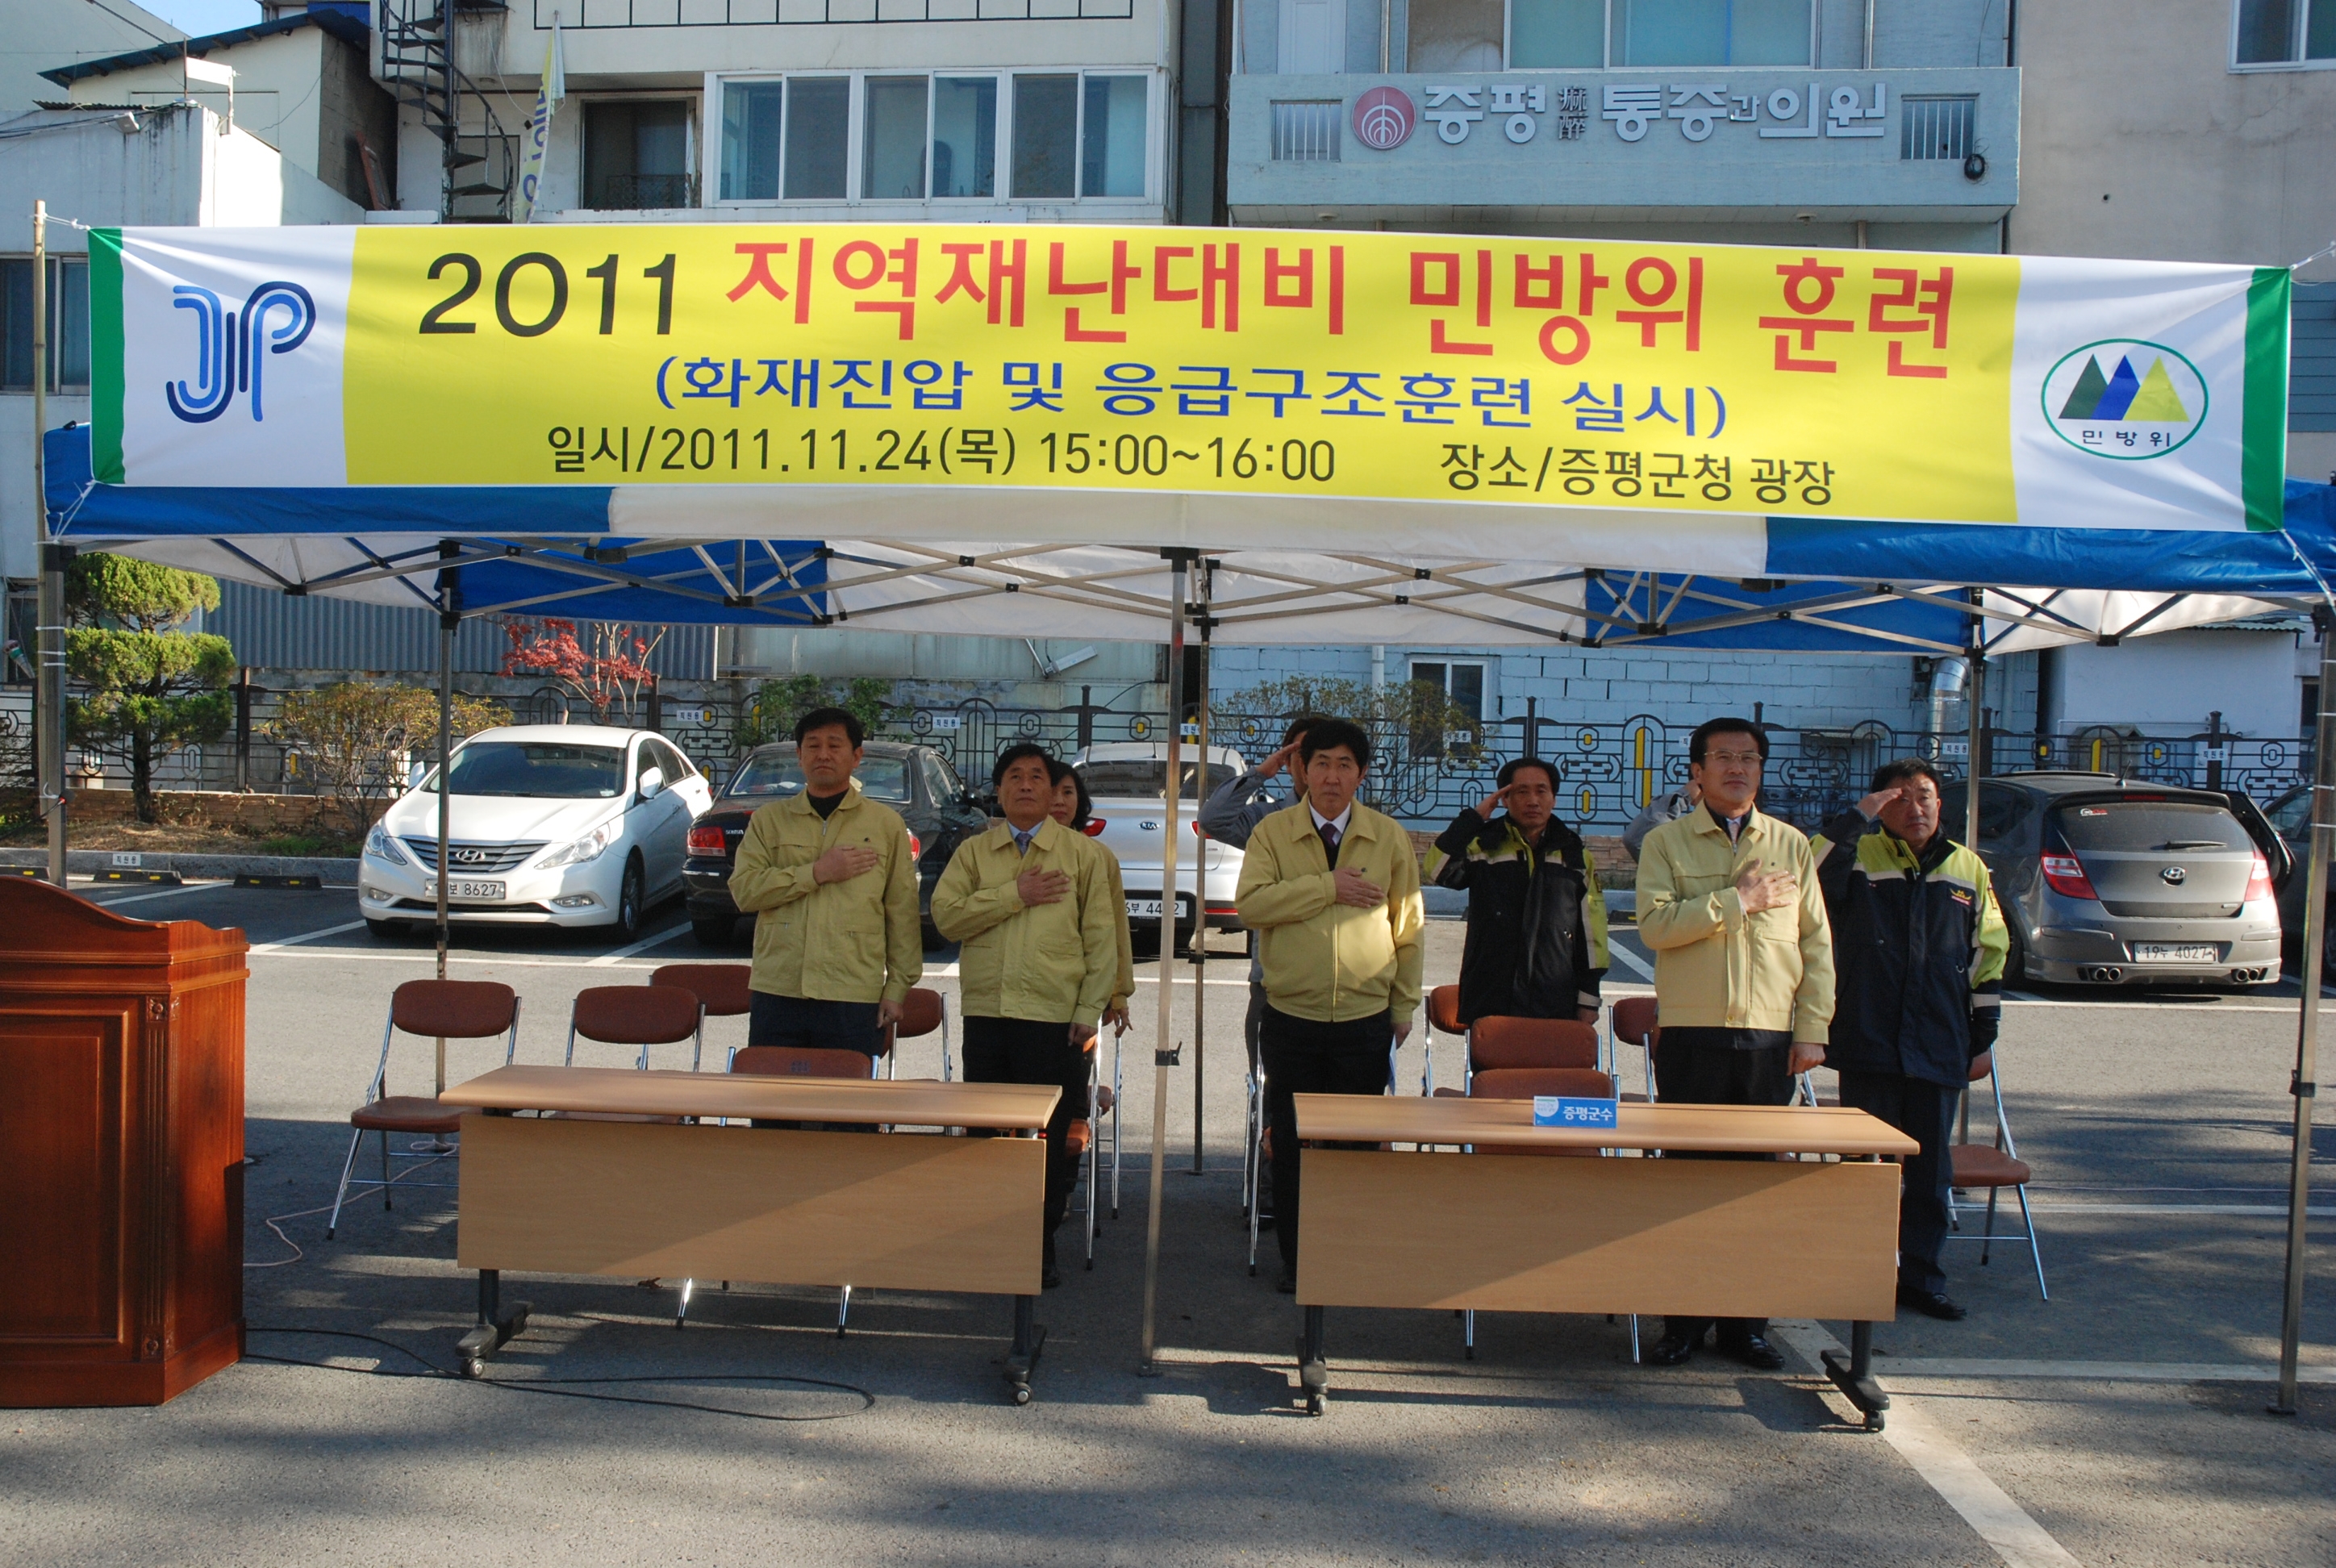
[(1565, 1111)]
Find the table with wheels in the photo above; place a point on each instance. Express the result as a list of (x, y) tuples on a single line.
[(1777, 1237), (548, 1188)]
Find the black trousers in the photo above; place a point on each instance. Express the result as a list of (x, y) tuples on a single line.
[(1304, 1058), (1926, 1113), (1713, 1066), (1023, 1051), (802, 1024)]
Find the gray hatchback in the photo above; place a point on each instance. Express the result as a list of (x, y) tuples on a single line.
[(2110, 881)]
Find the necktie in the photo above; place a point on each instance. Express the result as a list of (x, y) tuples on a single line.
[(1329, 832), (1022, 840)]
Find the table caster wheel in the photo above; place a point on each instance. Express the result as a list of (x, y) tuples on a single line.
[(475, 1368), (1874, 1419), (1318, 1404), (1021, 1394)]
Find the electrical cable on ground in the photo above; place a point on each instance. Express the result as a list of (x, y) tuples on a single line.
[(567, 1387)]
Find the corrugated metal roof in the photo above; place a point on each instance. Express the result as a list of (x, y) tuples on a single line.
[(278, 631)]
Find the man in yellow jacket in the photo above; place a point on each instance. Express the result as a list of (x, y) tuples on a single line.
[(1332, 889), (831, 878), (1728, 900), (1031, 903)]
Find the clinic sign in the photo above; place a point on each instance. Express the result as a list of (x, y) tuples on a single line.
[(1330, 366), (1520, 112)]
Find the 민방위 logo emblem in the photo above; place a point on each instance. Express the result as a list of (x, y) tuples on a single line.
[(2124, 398), (228, 355), (1384, 118)]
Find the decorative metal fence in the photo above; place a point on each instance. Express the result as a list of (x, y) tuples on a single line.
[(1609, 771)]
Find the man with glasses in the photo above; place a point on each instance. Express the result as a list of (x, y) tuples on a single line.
[(1744, 981)]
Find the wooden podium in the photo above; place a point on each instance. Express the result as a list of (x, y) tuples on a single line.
[(120, 1150)]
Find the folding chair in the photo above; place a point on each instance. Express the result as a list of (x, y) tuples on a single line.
[(445, 1011), (1086, 1138), (786, 1061), (1631, 1021), (1994, 1166), (1443, 1013), (1254, 1151), (721, 989), (640, 1016), (923, 1011), (1523, 1083)]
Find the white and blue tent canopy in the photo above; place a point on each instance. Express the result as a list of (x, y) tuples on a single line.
[(1093, 566)]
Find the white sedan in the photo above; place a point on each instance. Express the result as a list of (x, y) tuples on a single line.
[(548, 824), (1124, 782)]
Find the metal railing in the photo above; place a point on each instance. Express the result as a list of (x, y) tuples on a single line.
[(1306, 131), (1609, 771), (595, 13)]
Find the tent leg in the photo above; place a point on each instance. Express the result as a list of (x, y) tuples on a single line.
[(2304, 1086), (1200, 891), (450, 616), (1164, 1049)]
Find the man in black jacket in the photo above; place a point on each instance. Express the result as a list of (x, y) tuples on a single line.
[(1536, 945), (1918, 950)]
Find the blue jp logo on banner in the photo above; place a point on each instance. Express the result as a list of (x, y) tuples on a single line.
[(227, 347)]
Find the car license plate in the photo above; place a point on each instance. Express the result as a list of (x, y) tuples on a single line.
[(464, 889), (1149, 908), (2177, 952)]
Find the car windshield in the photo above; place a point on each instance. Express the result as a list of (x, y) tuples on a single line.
[(1139, 777), (777, 773), (2291, 814), (2145, 825), (543, 769)]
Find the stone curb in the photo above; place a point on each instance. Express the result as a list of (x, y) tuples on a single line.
[(336, 873)]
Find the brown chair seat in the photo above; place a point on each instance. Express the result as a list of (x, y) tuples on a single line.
[(406, 1114), (1444, 1011), (1524, 1083), (1985, 1165)]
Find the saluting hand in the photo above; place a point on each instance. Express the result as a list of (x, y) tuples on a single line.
[(1492, 802), (1870, 808), (1276, 760), (1354, 888), (843, 862), (1762, 889), (1040, 886)]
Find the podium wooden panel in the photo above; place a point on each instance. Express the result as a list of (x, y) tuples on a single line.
[(120, 1150)]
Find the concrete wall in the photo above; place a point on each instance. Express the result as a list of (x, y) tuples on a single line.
[(2138, 139), (37, 35), (277, 96), (2167, 684)]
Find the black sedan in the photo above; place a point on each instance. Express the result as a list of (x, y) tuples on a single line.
[(915, 781)]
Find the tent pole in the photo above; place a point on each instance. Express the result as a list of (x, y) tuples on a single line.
[(450, 616), (1164, 1049), (1974, 688), (2305, 1085), (1201, 884), (49, 743)]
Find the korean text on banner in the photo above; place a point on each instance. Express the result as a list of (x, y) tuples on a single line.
[(1859, 383)]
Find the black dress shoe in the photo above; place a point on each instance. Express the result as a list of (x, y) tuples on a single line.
[(1051, 1280), (1287, 1284), (1932, 1304), (1755, 1351), (1672, 1351)]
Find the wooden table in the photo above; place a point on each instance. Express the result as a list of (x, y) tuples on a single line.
[(557, 1191), (1519, 1232)]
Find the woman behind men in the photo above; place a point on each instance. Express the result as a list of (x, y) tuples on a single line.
[(1075, 808)]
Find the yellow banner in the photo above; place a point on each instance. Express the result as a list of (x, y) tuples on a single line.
[(1852, 383)]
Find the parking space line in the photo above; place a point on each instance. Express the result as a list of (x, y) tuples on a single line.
[(142, 898), (1950, 1472), (2059, 1210), (1630, 960), (355, 925), (606, 960)]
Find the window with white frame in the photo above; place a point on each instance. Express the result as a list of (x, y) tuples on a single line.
[(891, 137), (1600, 35), (1462, 682), (639, 152), (2276, 33)]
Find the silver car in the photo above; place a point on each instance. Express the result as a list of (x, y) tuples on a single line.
[(2109, 881), (1125, 780)]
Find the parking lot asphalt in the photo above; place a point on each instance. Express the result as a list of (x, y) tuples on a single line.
[(2121, 1421)]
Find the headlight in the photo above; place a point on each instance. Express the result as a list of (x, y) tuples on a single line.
[(383, 847), (587, 848)]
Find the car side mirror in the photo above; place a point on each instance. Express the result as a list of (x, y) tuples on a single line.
[(415, 771), (652, 784)]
